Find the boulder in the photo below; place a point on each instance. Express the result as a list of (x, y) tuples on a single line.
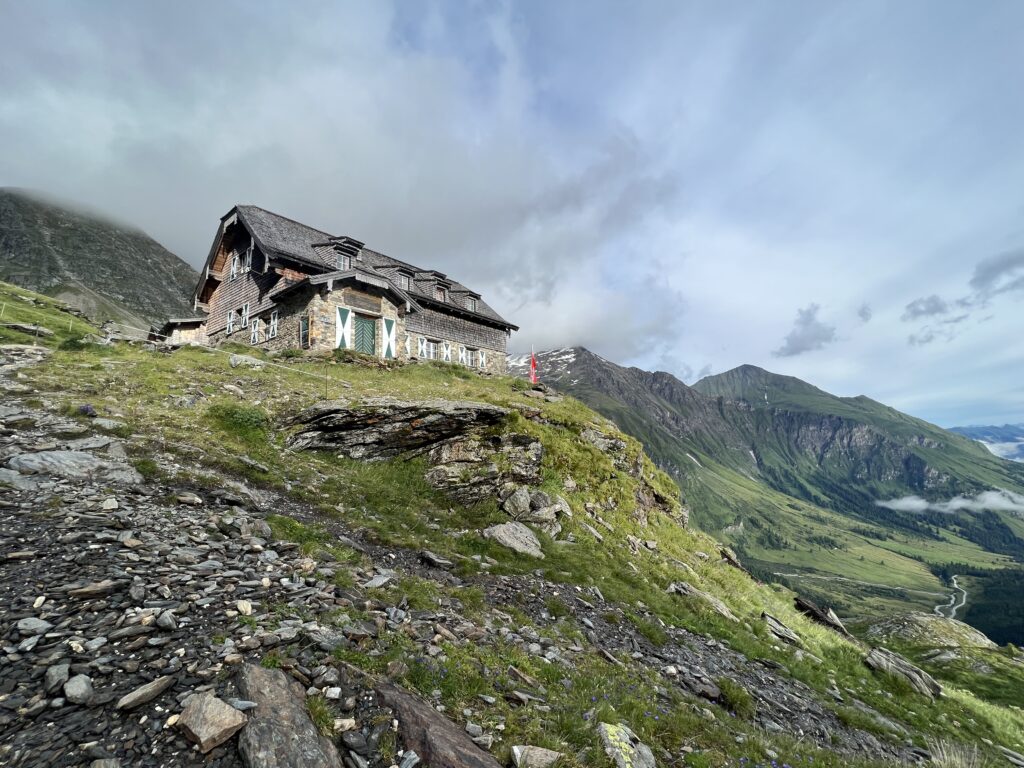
[(516, 537), (384, 427), (280, 733), (518, 502), (884, 660), (208, 721), (74, 465), (624, 747), (688, 590), (438, 742), (824, 616)]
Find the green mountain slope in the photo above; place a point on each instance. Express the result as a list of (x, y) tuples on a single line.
[(791, 476), (533, 651), (108, 270)]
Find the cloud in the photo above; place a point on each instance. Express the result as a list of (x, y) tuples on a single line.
[(929, 306), (808, 334), (997, 501), (864, 312), (1002, 273)]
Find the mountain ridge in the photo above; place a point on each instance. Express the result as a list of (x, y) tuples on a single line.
[(108, 269)]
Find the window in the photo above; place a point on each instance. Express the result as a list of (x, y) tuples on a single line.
[(247, 259), (440, 294), (471, 304), (234, 267), (231, 322), (254, 334), (421, 347), (304, 331), (272, 330), (346, 262), (244, 312), (446, 351), (431, 349), (403, 282)]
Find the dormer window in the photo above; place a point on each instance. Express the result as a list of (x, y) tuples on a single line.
[(440, 293), (346, 262), (471, 304), (404, 281), (247, 259)]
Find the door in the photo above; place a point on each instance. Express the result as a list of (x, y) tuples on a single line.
[(365, 333)]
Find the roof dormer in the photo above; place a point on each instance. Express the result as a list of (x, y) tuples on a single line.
[(349, 251)]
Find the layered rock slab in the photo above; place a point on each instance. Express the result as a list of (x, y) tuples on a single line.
[(280, 733)]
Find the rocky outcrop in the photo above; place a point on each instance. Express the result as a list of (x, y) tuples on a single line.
[(280, 733), (884, 660), (473, 468), (780, 630), (434, 738), (76, 465), (688, 590), (821, 615), (928, 630), (384, 427)]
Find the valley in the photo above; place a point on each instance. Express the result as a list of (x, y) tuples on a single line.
[(792, 477)]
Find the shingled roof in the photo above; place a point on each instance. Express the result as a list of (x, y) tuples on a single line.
[(287, 238)]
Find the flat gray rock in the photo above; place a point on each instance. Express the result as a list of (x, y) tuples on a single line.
[(516, 537), (74, 465), (145, 693)]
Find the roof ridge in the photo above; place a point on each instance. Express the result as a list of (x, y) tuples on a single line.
[(287, 218)]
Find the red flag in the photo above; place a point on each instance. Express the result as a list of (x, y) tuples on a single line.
[(533, 368)]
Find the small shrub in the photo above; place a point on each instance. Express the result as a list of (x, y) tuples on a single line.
[(736, 699), (271, 661), (654, 632), (290, 354), (244, 421), (74, 344), (148, 468)]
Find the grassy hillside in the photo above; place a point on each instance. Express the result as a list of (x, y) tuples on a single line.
[(184, 408), (108, 270)]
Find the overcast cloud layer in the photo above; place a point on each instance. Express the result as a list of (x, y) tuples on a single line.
[(830, 190)]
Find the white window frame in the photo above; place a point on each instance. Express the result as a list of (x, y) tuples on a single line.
[(440, 294), (230, 327), (247, 260), (346, 262), (404, 282), (421, 347), (234, 266), (431, 349), (254, 334), (244, 316), (272, 329)]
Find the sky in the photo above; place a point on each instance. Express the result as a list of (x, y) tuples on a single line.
[(833, 191)]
